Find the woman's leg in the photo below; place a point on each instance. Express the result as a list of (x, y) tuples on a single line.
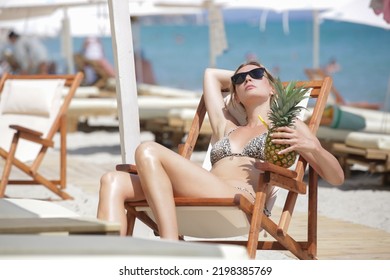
[(165, 174), (115, 188), (272, 194)]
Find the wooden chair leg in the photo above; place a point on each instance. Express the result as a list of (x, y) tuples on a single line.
[(254, 232), (37, 178), (312, 214), (8, 164), (132, 214), (48, 184), (63, 131), (130, 222), (257, 215)]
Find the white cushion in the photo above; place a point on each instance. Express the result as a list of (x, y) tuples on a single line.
[(30, 97), (26, 208), (368, 140)]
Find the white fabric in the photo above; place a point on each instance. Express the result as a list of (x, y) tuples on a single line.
[(28, 150), (376, 121), (368, 140), (26, 208), (93, 49), (30, 97)]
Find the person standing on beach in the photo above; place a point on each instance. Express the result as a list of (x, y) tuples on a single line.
[(163, 174), (27, 55)]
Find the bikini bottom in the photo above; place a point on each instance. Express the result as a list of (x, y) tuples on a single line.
[(265, 211)]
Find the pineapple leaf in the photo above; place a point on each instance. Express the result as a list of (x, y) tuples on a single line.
[(284, 107)]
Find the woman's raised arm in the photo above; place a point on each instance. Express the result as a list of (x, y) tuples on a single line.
[(214, 81)]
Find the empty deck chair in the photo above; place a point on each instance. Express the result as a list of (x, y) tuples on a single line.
[(32, 110)]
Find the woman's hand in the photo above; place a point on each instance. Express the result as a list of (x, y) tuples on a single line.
[(302, 140), (299, 138)]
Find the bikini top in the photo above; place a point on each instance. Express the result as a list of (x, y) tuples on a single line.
[(254, 148)]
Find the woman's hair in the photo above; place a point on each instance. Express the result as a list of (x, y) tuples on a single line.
[(233, 87)]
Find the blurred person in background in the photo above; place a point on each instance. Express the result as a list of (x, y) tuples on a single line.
[(26, 55), (92, 61)]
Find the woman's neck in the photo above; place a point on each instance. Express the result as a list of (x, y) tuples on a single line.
[(254, 113)]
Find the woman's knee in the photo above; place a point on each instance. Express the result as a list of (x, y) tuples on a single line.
[(110, 183), (146, 152)]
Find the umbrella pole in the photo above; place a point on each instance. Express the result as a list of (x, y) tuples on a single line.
[(126, 86), (316, 40)]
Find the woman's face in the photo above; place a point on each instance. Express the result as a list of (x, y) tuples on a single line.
[(252, 86)]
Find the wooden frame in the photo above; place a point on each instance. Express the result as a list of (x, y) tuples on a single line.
[(59, 125), (287, 179)]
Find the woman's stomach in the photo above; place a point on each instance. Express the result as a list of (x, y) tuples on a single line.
[(239, 171)]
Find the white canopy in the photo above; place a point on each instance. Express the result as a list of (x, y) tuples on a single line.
[(357, 11), (86, 17)]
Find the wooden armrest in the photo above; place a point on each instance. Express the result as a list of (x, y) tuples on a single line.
[(130, 168), (32, 135), (26, 130), (282, 177), (266, 166)]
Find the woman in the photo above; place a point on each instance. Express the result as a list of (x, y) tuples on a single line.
[(163, 174)]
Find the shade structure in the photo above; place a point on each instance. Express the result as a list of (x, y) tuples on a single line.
[(72, 18), (86, 17), (357, 11)]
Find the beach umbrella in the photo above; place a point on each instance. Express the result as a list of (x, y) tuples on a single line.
[(357, 11), (85, 17), (43, 18), (72, 18)]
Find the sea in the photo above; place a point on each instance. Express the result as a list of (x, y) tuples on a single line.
[(179, 53)]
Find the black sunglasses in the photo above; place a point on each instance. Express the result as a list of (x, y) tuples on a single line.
[(256, 73)]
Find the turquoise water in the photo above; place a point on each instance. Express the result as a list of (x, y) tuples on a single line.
[(180, 53)]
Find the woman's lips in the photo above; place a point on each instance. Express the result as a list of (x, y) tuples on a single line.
[(248, 87)]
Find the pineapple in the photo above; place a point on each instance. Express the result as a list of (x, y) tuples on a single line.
[(284, 109)]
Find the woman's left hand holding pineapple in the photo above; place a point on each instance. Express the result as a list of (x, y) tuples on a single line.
[(298, 137), (306, 144)]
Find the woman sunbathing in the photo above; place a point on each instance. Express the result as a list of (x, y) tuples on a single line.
[(163, 174)]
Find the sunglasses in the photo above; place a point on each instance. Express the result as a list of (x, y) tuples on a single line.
[(256, 73)]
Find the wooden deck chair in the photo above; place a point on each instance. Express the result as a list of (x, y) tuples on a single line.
[(227, 218), (367, 149), (337, 98), (32, 110)]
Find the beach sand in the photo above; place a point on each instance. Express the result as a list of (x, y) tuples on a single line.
[(361, 199)]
